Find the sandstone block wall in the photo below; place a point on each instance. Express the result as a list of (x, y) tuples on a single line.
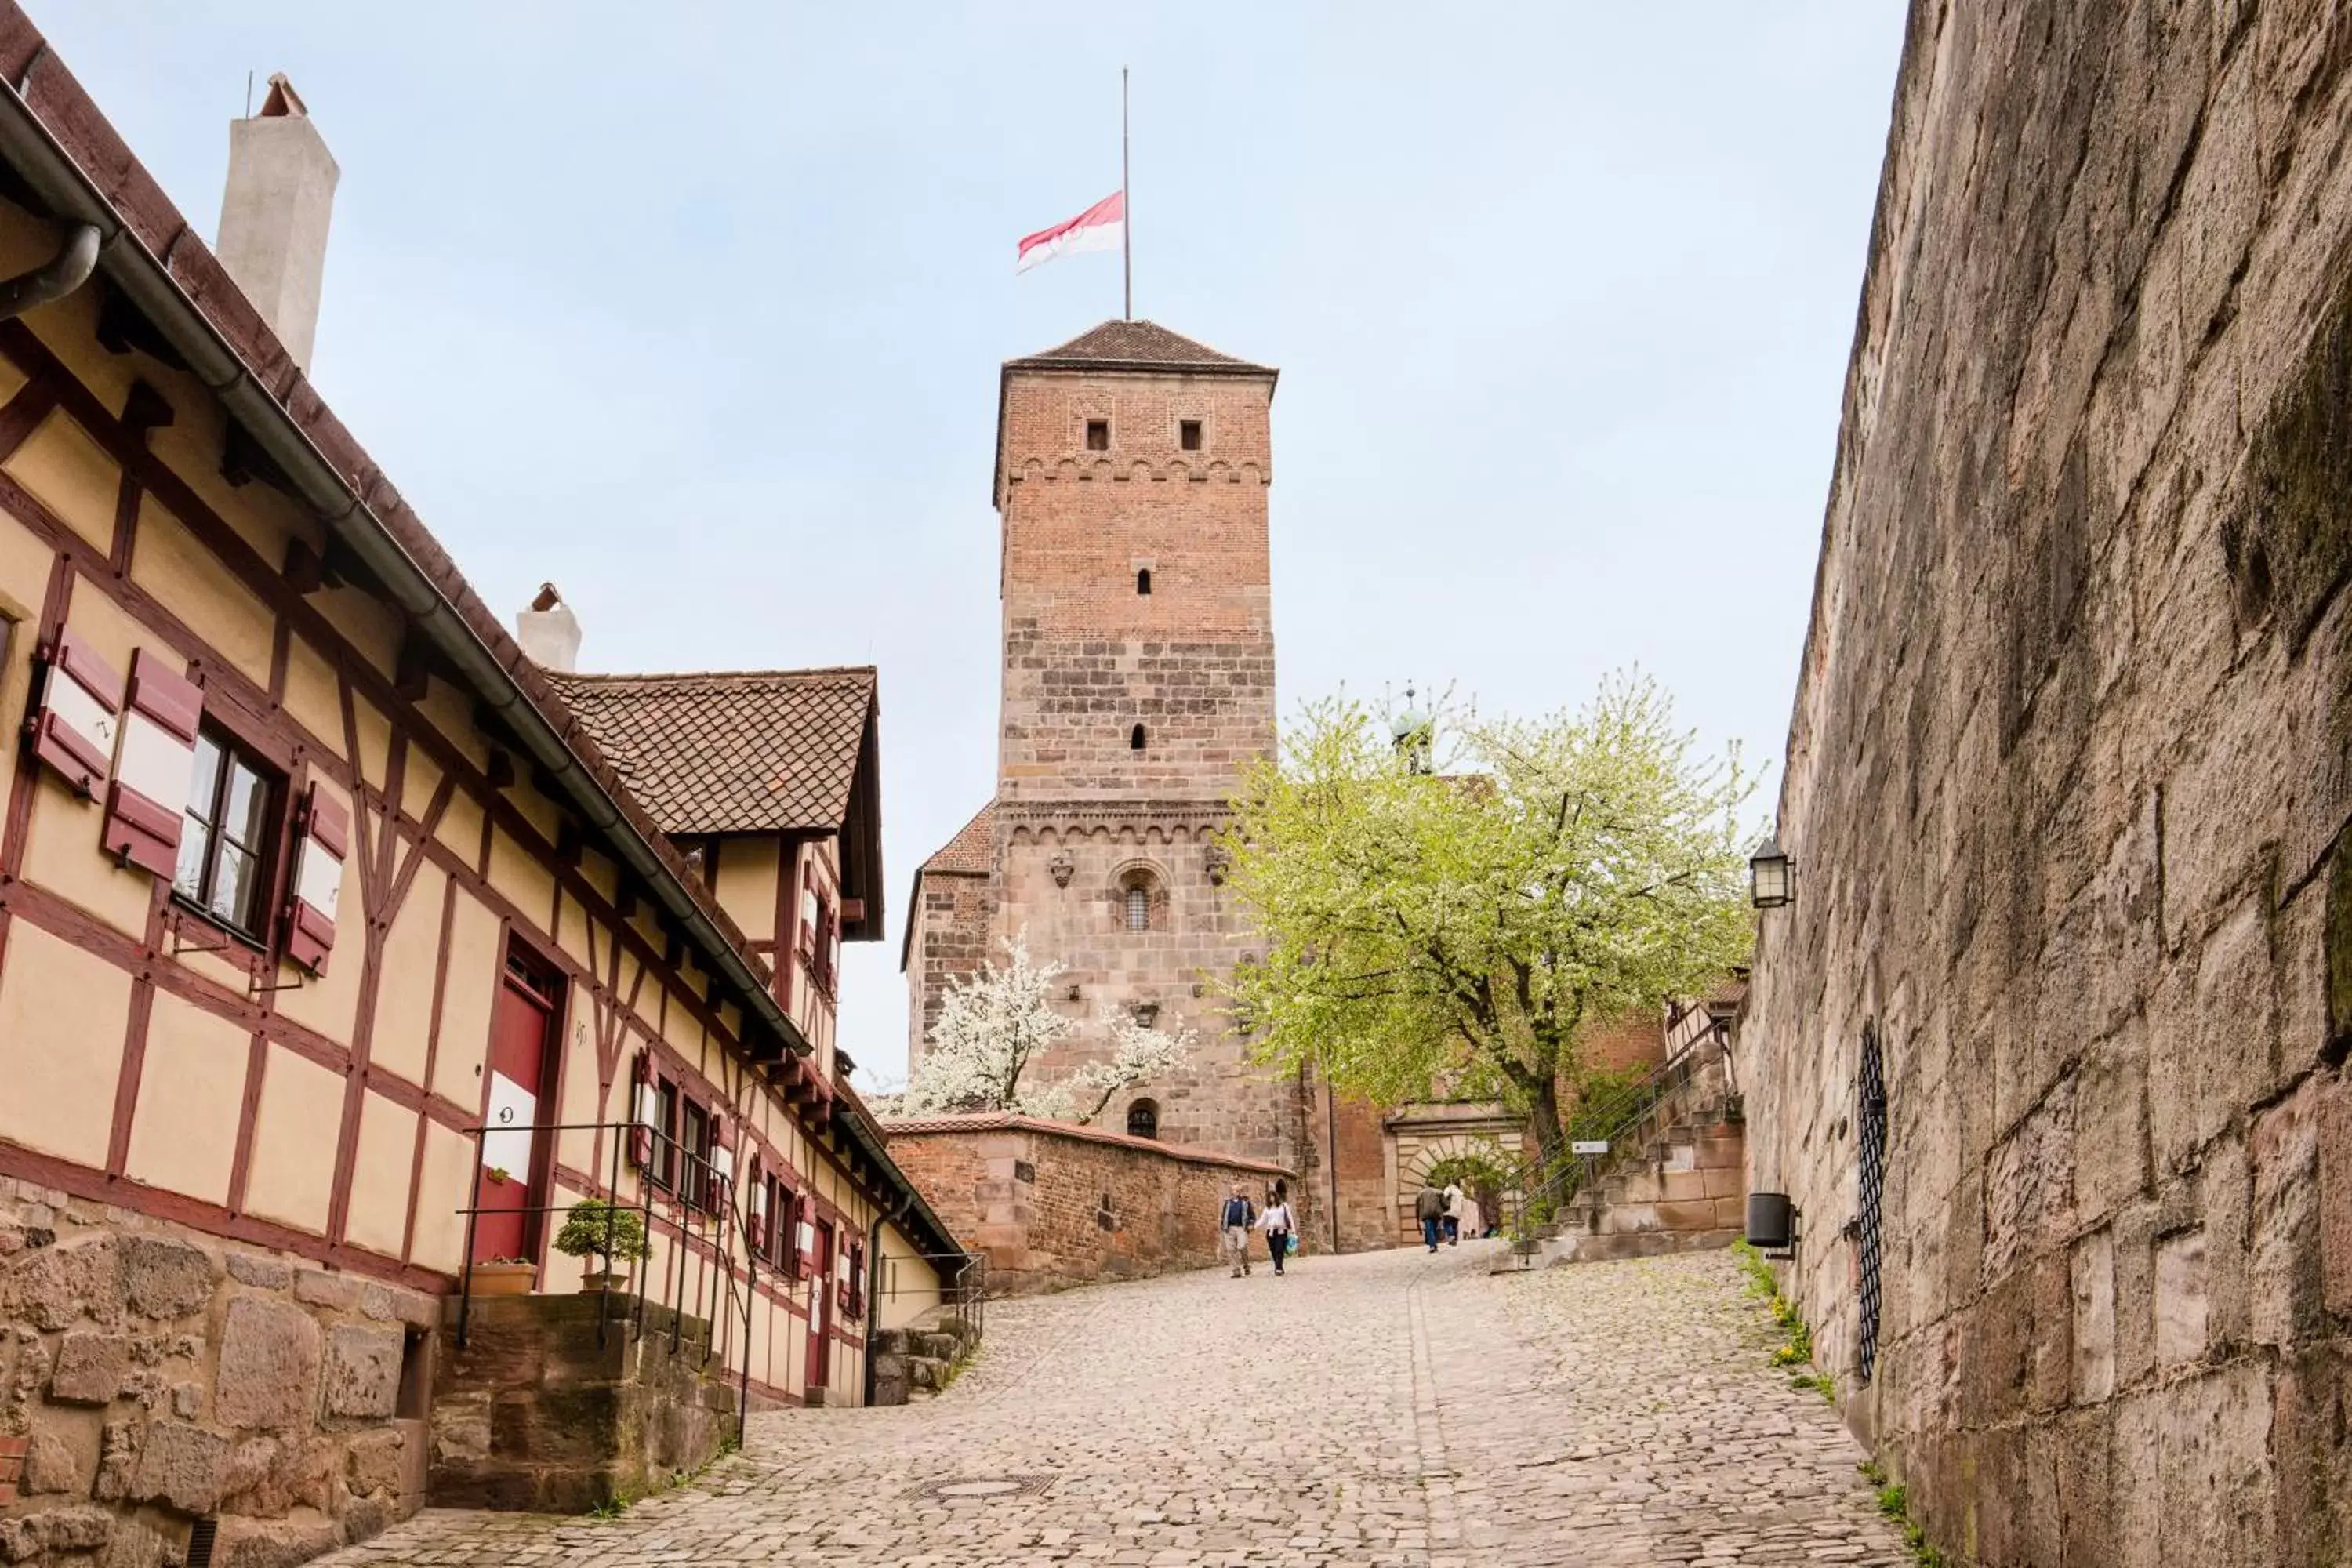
[(950, 937), (1348, 1171), (533, 1413), (1053, 1206), (2067, 788), (1082, 814), (1221, 1099), (151, 1376), (1085, 656)]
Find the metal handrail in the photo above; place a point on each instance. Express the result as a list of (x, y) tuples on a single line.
[(966, 1290), (1566, 1178), (690, 1219)]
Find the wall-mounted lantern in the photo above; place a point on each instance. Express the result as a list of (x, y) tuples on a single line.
[(1775, 1226), (1772, 878), (1061, 866)]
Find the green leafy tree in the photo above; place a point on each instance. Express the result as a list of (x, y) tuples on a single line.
[(614, 1231), (1465, 925)]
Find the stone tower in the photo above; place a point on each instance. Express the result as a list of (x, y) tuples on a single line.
[(1131, 476)]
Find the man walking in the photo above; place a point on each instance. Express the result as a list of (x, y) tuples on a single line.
[(1452, 1214), (1430, 1209), (1233, 1230)]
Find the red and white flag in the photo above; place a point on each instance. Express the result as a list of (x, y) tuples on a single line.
[(1102, 226)]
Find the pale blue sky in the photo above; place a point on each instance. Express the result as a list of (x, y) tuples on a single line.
[(697, 312)]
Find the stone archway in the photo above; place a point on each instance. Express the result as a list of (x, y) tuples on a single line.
[(1446, 1139)]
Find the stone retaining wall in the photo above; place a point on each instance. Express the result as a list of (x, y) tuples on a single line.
[(535, 1414), (1053, 1206), (151, 1376), (2067, 789)]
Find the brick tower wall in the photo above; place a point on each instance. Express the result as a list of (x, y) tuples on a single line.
[(1081, 813), (1221, 1099), (1085, 656), (951, 939)]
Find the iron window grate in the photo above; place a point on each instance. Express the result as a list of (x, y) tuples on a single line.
[(1871, 1154)]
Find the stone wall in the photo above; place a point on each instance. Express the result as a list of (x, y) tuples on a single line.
[(1081, 813), (533, 1413), (151, 1376), (1677, 1182), (1053, 1206), (949, 938), (2067, 788), (1347, 1173), (1061, 880), (1087, 657)]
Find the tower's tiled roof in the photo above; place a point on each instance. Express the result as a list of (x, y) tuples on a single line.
[(1137, 345), (973, 851), (749, 751)]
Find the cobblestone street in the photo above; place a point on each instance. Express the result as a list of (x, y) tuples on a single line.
[(1386, 1408)]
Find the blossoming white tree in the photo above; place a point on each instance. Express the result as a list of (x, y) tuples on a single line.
[(992, 1024)]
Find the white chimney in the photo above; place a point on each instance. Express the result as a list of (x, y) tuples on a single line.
[(549, 632), (273, 227)]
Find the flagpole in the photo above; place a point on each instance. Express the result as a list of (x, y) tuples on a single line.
[(1126, 208)]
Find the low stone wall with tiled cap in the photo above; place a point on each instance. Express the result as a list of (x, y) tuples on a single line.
[(1052, 1204), (151, 1377)]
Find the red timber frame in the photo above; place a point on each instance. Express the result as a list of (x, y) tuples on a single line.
[(387, 849)]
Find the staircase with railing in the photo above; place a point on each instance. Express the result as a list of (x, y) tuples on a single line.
[(1655, 1163)]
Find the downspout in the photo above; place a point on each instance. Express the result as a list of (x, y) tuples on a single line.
[(874, 1284), (1332, 1156), (55, 279)]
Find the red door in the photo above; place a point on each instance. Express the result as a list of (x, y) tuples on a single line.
[(820, 1348), (506, 1187)]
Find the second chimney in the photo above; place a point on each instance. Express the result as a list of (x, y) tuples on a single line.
[(273, 227), (548, 631)]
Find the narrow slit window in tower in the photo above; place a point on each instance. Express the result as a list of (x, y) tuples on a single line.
[(1098, 435), (1138, 908), (1188, 435), (1135, 739), (1144, 581)]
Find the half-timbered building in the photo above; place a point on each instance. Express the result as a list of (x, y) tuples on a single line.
[(308, 872)]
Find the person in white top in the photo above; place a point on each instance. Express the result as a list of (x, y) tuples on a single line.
[(1278, 1224)]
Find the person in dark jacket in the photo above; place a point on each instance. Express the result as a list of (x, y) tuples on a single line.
[(1233, 1229), (1430, 1209)]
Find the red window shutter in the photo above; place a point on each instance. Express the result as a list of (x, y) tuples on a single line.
[(646, 1110), (853, 1290), (73, 727), (317, 885), (755, 1207), (145, 807), (719, 1173), (803, 1237)]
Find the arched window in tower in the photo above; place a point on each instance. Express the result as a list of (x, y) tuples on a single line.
[(1143, 1118), (1140, 901), (1135, 739), (1144, 581)]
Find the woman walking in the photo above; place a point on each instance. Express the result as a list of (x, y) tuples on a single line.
[(1278, 1224)]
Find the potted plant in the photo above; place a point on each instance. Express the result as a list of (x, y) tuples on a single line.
[(611, 1232), (504, 1276)]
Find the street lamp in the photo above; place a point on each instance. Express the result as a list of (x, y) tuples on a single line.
[(1771, 879)]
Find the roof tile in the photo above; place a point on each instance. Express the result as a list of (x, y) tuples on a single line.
[(751, 752), (1136, 345), (973, 851)]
